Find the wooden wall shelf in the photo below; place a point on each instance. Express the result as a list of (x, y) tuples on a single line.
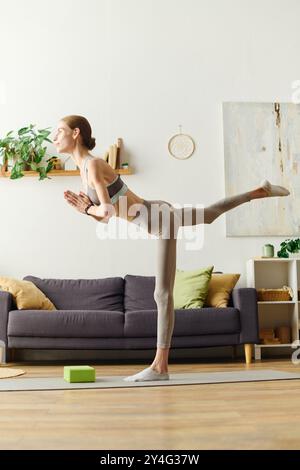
[(125, 171), (112, 157)]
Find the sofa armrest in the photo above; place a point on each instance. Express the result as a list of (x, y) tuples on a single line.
[(6, 304), (245, 300)]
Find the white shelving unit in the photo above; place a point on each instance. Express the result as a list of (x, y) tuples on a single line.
[(274, 273)]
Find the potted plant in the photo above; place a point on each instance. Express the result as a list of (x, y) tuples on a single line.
[(289, 248), (25, 151)]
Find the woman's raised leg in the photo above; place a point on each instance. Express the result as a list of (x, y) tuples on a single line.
[(194, 215)]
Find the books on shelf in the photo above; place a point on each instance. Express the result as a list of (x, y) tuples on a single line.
[(112, 156)]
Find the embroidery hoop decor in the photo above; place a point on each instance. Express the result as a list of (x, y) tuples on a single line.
[(181, 146)]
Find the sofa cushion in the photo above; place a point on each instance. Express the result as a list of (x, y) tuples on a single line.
[(191, 287), (188, 322), (139, 292), (219, 289), (26, 294), (66, 323), (81, 294)]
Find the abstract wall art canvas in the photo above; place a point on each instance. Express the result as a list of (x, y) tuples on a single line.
[(262, 141)]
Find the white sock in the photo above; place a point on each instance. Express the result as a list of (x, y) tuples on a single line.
[(273, 190), (147, 374)]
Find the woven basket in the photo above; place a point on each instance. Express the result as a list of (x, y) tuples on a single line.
[(274, 295)]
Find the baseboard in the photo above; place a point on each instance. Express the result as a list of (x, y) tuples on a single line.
[(118, 356)]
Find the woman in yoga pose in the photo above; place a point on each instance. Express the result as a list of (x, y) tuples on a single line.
[(102, 201)]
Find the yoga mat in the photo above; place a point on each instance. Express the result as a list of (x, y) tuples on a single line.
[(196, 378)]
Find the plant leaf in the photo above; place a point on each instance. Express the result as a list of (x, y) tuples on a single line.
[(23, 130)]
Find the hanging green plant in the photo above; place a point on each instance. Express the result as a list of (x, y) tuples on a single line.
[(25, 151), (289, 246)]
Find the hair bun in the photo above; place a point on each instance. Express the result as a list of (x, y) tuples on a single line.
[(92, 143)]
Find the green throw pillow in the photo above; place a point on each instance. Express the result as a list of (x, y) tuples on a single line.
[(191, 287)]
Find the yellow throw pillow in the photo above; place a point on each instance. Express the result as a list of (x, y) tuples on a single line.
[(26, 294), (219, 289)]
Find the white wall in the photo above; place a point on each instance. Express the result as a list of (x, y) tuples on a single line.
[(136, 69)]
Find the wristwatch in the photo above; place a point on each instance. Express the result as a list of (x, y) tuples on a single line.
[(87, 208)]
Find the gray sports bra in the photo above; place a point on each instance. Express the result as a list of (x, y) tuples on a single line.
[(115, 189)]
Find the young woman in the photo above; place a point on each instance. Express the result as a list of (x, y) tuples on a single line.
[(104, 192)]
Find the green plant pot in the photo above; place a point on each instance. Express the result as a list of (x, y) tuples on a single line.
[(268, 251)]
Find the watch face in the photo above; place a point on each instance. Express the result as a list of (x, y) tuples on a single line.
[(181, 146)]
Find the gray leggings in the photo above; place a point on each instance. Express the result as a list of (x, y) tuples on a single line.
[(166, 229)]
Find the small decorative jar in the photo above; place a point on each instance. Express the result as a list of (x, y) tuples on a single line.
[(268, 251)]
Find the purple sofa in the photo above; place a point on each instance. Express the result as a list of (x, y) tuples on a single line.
[(120, 313)]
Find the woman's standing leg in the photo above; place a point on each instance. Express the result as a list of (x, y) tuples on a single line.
[(163, 295)]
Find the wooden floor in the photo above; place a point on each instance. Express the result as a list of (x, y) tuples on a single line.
[(252, 415)]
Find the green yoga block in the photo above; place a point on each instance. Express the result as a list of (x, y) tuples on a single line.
[(79, 374)]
